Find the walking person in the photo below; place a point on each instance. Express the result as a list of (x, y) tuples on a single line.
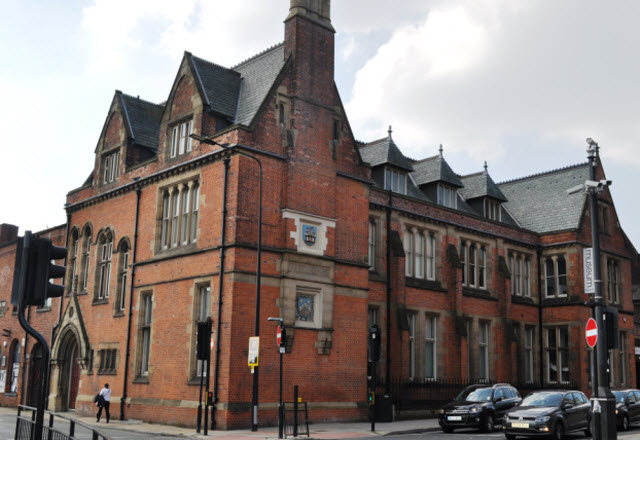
[(105, 393)]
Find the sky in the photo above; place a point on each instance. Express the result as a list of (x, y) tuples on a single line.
[(519, 85)]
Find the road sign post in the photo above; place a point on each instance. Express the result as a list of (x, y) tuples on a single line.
[(604, 420), (591, 333), (281, 342)]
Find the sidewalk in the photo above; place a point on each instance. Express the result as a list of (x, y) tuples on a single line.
[(317, 431)]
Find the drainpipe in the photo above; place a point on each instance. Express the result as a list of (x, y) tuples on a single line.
[(540, 331), (388, 373), (123, 399), (220, 290)]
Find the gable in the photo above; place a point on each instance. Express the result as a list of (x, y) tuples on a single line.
[(113, 133)]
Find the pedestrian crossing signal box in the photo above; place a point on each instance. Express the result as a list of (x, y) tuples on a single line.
[(372, 398)]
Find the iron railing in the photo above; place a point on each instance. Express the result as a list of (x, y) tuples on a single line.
[(424, 394), (296, 419), (56, 427)]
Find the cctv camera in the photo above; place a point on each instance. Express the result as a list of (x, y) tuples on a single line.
[(591, 142)]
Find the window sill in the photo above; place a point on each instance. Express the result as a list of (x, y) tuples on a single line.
[(141, 379), (478, 293), (43, 309), (118, 314), (522, 300), (103, 301), (106, 372), (9, 394), (177, 251), (424, 284), (196, 381)]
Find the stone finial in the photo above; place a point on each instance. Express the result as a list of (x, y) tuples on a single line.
[(486, 166), (441, 152), (390, 131)]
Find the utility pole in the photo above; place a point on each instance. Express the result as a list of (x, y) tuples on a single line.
[(603, 401)]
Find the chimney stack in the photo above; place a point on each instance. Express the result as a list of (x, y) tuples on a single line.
[(309, 39)]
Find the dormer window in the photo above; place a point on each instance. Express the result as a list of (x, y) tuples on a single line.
[(110, 167), (447, 196), (181, 141), (395, 181), (492, 209)]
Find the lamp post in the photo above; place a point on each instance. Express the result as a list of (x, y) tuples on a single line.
[(256, 332), (604, 420)]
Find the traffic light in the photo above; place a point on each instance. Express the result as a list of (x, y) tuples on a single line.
[(203, 348), (371, 398), (611, 325), (374, 343), (33, 270)]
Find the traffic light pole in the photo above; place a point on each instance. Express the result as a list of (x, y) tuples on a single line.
[(604, 402), (21, 289)]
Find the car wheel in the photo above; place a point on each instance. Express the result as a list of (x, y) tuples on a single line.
[(558, 431), (509, 436), (489, 424), (447, 429), (625, 423)]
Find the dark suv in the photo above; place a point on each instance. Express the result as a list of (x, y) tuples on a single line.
[(551, 413), (627, 407), (478, 406)]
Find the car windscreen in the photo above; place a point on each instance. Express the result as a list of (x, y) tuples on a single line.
[(477, 395), (541, 399), (620, 396)]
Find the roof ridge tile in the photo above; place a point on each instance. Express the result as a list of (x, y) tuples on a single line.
[(263, 52), (541, 174)]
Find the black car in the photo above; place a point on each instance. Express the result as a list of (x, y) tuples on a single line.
[(552, 413), (478, 406), (627, 407)]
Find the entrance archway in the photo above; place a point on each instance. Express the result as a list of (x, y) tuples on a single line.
[(69, 379)]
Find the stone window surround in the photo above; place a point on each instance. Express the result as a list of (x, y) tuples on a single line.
[(556, 275), (178, 143), (189, 180), (144, 341), (525, 262), (196, 313), (110, 167), (418, 321), (478, 247), (429, 259)]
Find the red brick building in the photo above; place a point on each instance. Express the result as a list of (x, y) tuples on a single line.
[(467, 279), (20, 366)]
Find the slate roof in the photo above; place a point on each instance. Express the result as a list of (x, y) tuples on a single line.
[(220, 86), (239, 92), (385, 152), (435, 169), (541, 202), (479, 185), (258, 76), (144, 119)]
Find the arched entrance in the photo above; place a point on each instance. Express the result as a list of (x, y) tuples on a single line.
[(69, 379)]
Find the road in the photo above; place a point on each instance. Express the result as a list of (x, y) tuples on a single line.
[(469, 434)]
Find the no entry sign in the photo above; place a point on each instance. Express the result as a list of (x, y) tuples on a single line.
[(279, 335), (591, 333)]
